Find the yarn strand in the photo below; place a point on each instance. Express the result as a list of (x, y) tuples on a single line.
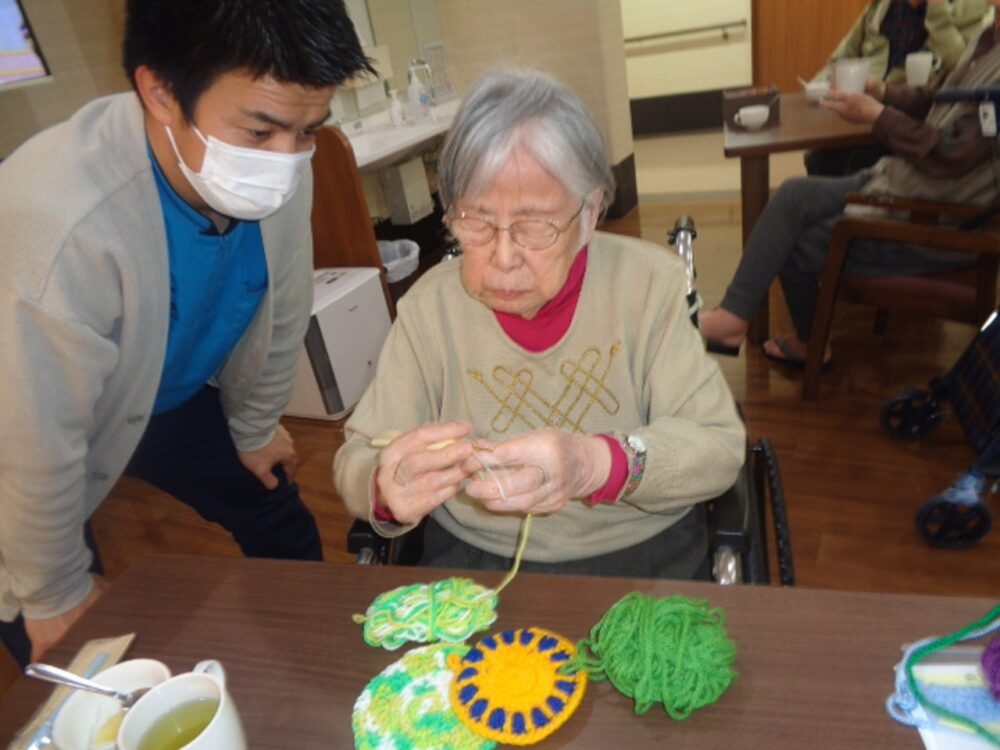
[(449, 610), (525, 530)]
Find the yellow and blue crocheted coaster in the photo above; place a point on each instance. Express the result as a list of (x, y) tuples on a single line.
[(407, 706), (510, 687)]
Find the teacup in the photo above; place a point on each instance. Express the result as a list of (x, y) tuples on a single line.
[(192, 711), (918, 68), (752, 117), (86, 716), (816, 90), (851, 75)]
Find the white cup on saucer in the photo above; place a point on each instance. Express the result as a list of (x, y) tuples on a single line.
[(851, 75), (191, 710), (84, 715), (752, 117)]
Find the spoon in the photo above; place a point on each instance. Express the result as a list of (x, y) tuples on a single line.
[(802, 80), (48, 673)]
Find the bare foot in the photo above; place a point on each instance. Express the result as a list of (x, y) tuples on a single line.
[(723, 327), (792, 349)]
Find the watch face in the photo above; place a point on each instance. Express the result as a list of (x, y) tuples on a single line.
[(635, 443)]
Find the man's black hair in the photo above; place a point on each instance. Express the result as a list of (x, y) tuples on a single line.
[(189, 43)]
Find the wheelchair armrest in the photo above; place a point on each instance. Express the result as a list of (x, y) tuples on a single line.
[(367, 546), (738, 523), (929, 210), (371, 548), (735, 531)]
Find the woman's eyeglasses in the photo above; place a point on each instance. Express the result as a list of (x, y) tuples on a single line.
[(531, 234)]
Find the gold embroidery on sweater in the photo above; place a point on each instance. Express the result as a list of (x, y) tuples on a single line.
[(583, 387)]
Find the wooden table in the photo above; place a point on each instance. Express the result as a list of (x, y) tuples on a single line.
[(814, 667), (802, 126)]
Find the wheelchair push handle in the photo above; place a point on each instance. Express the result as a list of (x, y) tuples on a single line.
[(977, 94), (682, 237)]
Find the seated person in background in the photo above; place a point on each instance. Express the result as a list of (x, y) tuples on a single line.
[(156, 287), (563, 355), (884, 34), (940, 154)]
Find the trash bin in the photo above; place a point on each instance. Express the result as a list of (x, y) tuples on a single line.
[(401, 259)]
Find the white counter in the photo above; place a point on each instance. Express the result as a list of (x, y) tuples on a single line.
[(381, 143)]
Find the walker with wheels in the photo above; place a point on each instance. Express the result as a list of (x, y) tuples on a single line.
[(959, 516)]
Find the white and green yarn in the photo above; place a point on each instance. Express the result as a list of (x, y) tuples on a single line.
[(449, 610), (407, 707)]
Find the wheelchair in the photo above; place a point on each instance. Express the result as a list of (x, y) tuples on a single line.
[(738, 519)]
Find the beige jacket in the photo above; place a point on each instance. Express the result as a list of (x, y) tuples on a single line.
[(950, 27)]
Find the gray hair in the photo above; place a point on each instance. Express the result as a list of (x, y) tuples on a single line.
[(510, 108)]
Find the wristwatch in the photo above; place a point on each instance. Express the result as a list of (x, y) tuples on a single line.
[(635, 449)]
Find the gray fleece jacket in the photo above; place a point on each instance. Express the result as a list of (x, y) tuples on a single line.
[(84, 305)]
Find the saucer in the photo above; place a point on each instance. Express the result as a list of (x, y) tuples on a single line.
[(85, 713)]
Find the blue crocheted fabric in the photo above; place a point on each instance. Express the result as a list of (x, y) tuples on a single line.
[(975, 703)]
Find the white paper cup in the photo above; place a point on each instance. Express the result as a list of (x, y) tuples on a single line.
[(918, 68), (851, 75), (85, 713), (206, 682)]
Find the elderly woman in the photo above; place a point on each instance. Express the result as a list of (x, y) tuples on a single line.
[(552, 371)]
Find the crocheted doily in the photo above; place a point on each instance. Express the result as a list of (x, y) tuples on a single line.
[(407, 706), (509, 686)]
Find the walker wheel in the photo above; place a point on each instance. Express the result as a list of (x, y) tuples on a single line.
[(953, 526), (910, 415)]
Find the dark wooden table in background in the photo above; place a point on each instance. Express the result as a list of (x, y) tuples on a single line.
[(814, 667), (802, 126)]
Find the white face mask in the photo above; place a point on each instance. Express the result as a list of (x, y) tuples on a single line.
[(244, 183)]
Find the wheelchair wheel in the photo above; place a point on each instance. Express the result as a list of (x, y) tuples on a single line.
[(910, 415), (951, 525)]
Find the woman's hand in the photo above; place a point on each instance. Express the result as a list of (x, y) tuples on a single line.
[(863, 109), (875, 88), (421, 469), (553, 467)]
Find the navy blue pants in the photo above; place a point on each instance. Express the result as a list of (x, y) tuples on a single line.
[(188, 453)]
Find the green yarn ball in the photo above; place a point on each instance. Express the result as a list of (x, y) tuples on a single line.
[(673, 651)]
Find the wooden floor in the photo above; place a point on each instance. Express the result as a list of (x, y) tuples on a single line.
[(851, 491)]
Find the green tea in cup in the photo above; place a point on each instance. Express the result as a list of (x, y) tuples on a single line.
[(179, 726), (191, 710)]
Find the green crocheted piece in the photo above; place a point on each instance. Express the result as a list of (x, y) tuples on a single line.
[(407, 706), (452, 610)]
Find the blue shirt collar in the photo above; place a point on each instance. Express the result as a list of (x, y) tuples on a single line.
[(201, 223)]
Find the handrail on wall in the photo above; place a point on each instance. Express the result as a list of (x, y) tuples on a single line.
[(723, 27)]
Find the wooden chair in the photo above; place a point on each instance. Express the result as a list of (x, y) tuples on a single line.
[(967, 295), (343, 235)]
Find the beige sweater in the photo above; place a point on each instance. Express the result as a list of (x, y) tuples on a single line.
[(631, 362)]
